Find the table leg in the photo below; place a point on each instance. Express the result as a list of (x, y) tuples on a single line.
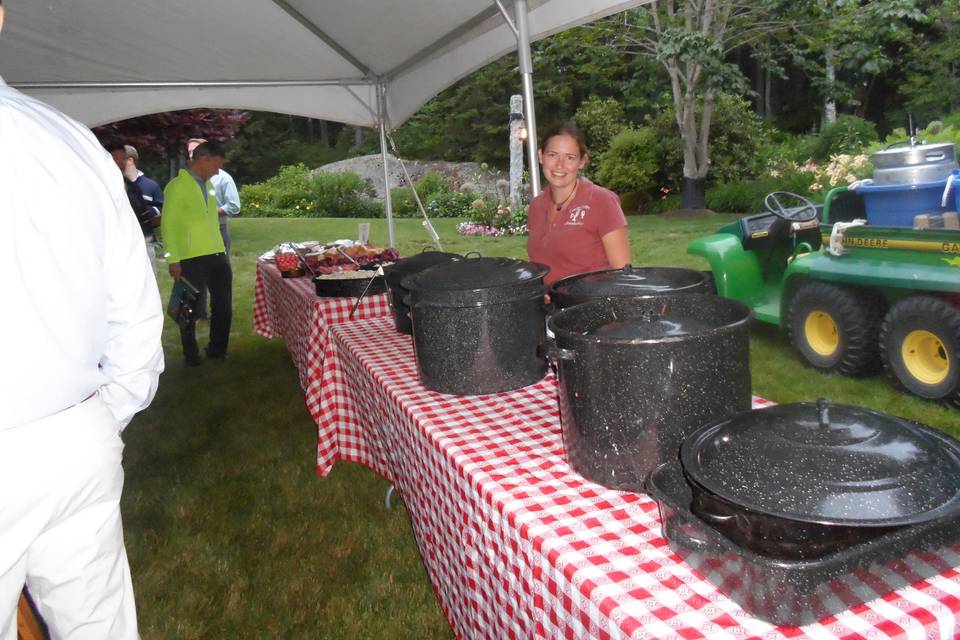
[(388, 499)]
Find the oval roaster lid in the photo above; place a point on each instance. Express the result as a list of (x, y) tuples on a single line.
[(420, 261), (828, 463), (629, 281), (904, 156), (472, 274)]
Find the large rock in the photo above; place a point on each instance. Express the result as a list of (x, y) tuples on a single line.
[(458, 174)]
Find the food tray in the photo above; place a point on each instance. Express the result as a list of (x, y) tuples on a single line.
[(794, 592), (293, 273), (348, 287)]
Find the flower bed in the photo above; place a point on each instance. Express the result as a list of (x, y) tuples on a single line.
[(474, 229), (494, 219)]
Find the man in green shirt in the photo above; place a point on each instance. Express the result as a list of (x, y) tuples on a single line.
[(195, 250)]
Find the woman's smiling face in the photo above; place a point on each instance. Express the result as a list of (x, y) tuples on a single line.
[(561, 161)]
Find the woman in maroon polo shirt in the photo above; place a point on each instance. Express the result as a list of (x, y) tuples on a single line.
[(575, 225)]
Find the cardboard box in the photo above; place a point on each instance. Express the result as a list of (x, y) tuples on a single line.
[(947, 220)]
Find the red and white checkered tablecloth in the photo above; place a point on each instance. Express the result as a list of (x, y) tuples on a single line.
[(290, 308), (520, 546)]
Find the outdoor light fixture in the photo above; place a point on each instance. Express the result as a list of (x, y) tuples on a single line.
[(516, 118)]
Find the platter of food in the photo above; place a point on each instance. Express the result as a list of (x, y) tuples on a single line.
[(343, 268), (347, 255)]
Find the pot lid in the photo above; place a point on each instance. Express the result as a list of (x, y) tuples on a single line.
[(474, 274), (628, 281), (905, 155), (420, 261), (829, 464)]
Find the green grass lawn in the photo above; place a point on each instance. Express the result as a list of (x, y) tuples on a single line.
[(230, 533)]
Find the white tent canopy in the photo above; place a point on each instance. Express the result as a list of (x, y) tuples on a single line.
[(105, 60), (321, 59)]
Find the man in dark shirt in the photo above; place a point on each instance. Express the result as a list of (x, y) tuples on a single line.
[(147, 215), (152, 193)]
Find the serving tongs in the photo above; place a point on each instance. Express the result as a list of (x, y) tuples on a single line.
[(378, 274), (303, 260)]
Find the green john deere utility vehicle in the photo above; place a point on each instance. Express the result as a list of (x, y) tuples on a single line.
[(852, 295)]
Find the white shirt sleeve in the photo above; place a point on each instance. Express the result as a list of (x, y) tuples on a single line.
[(133, 355), (227, 196), (83, 313)]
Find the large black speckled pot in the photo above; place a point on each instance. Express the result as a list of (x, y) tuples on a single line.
[(399, 270), (798, 591), (844, 475), (629, 282), (638, 375), (477, 324)]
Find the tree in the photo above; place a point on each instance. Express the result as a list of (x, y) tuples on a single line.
[(932, 82), (165, 134), (469, 120), (269, 141), (692, 39), (853, 40)]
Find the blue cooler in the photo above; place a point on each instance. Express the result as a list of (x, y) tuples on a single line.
[(895, 205)]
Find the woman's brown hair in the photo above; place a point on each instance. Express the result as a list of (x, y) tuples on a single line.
[(566, 129)]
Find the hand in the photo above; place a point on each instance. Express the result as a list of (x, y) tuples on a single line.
[(175, 271)]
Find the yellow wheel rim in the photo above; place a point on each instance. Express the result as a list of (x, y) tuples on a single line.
[(821, 333), (925, 357)]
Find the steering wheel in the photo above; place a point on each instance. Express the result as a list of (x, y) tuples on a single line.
[(804, 212)]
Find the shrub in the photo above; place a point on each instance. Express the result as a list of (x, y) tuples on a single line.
[(287, 194), (630, 201), (294, 193), (630, 163), (452, 204), (404, 206), (490, 219), (355, 206), (746, 196), (936, 131), (842, 169), (737, 137), (952, 119), (601, 119), (488, 213), (848, 135), (661, 205), (788, 149), (431, 184), (344, 195), (257, 203)]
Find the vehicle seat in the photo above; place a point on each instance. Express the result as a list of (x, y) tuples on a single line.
[(843, 205)]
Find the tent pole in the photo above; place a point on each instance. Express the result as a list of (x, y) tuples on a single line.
[(526, 74), (387, 199)]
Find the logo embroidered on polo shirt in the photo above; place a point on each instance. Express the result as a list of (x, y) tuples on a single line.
[(577, 214)]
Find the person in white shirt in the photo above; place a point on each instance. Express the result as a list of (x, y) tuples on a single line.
[(80, 354), (228, 199)]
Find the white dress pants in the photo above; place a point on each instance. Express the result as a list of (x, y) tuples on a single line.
[(60, 529)]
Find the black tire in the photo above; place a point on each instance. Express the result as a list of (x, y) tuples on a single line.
[(920, 346), (853, 318)]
